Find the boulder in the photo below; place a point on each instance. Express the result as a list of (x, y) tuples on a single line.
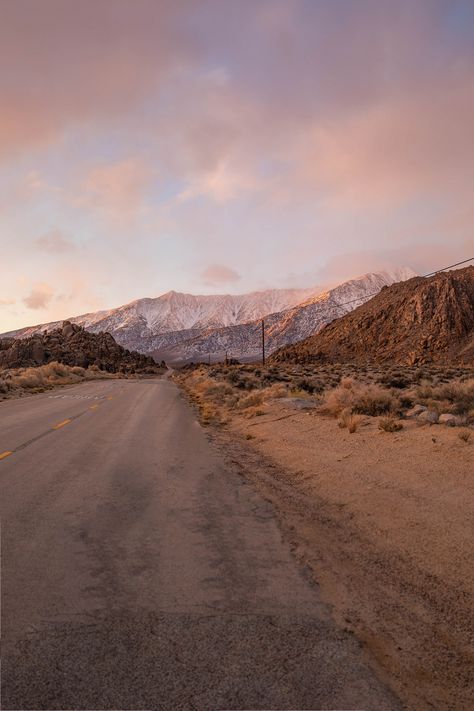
[(428, 417), (67, 330), (447, 419), (415, 411)]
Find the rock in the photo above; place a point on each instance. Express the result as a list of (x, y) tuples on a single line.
[(297, 403), (428, 417), (447, 419), (67, 329), (415, 411), (37, 352)]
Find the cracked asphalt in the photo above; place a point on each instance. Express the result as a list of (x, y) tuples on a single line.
[(140, 572)]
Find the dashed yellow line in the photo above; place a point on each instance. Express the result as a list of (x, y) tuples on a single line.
[(4, 455), (61, 424), (93, 407)]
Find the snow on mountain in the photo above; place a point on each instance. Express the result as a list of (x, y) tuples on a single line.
[(285, 327), (178, 326), (137, 324)]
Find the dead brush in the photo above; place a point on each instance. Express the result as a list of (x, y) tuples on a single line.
[(348, 420), (465, 435), (390, 424), (359, 398), (458, 394), (259, 397)]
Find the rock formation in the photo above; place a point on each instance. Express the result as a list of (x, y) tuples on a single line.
[(73, 345)]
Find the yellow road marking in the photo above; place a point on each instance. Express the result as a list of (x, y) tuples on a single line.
[(4, 455), (61, 424), (93, 407), (110, 398)]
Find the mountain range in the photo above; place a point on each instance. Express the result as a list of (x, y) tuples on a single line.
[(180, 327)]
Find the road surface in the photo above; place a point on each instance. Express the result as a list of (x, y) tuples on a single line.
[(139, 573)]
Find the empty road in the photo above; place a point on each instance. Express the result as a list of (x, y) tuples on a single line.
[(138, 572)]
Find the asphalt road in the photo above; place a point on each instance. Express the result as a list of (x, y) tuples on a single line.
[(139, 573)]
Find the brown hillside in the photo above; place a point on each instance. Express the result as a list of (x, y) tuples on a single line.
[(423, 320), (72, 345)]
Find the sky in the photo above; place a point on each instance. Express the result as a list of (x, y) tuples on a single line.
[(225, 146)]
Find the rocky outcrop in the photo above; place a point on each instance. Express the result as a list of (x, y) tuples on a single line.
[(73, 345), (423, 320)]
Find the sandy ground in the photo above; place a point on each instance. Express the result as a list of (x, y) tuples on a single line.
[(384, 521)]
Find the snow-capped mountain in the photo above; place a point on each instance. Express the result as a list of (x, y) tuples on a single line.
[(136, 324), (285, 327), (181, 327)]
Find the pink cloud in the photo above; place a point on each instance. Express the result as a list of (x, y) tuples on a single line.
[(216, 274), (39, 297)]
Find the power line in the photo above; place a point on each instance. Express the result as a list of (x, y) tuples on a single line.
[(450, 267), (423, 276)]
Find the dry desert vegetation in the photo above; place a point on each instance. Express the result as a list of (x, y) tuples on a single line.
[(18, 382), (371, 473)]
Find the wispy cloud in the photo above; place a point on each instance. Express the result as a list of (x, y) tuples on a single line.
[(39, 297)]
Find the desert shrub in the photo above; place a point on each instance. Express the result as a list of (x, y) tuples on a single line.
[(456, 393), (390, 424), (465, 435), (210, 414), (77, 370), (406, 400), (55, 370), (258, 397), (29, 378), (359, 398), (374, 400), (394, 380), (305, 385), (348, 420)]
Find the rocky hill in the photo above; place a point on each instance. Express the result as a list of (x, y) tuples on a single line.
[(423, 320), (72, 345)]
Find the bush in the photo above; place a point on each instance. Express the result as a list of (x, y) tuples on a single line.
[(459, 393), (390, 424), (360, 398), (348, 420)]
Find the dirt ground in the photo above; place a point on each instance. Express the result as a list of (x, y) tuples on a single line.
[(384, 521)]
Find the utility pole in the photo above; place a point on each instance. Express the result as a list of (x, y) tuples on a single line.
[(263, 341)]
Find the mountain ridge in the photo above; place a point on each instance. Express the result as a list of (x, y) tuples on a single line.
[(243, 341)]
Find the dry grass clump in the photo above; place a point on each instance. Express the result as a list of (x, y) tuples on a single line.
[(258, 397), (465, 435), (44, 377), (455, 396), (359, 398), (348, 420), (390, 424)]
